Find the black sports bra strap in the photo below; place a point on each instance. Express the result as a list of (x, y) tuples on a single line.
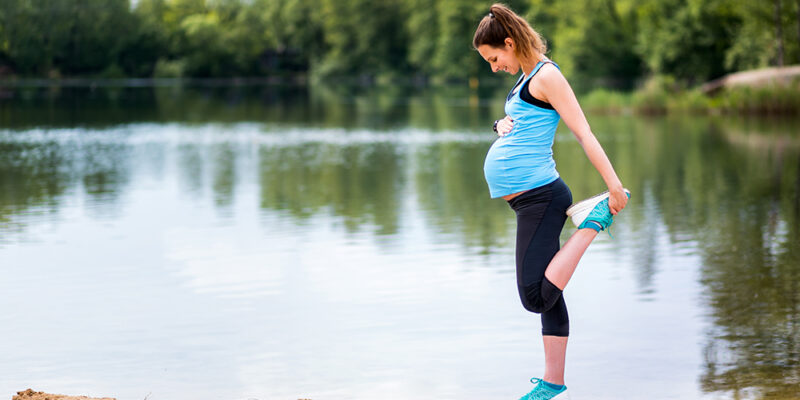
[(525, 94)]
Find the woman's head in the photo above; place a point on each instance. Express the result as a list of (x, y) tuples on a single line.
[(506, 41)]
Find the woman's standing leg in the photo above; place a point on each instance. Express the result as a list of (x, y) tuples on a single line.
[(555, 356), (541, 214), (559, 271)]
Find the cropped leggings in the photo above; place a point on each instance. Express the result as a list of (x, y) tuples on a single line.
[(541, 213)]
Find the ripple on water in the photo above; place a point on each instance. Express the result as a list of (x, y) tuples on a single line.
[(239, 133)]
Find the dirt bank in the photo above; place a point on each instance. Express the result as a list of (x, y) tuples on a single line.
[(31, 395), (755, 78)]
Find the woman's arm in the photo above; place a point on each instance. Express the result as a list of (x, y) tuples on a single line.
[(556, 90)]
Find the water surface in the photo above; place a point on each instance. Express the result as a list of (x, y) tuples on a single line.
[(284, 243)]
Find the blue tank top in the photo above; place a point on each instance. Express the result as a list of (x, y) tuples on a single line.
[(523, 158)]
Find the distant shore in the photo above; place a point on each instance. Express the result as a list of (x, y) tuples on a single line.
[(768, 91), (148, 82)]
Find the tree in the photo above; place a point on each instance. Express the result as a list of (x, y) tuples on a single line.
[(594, 41), (687, 39), (362, 37)]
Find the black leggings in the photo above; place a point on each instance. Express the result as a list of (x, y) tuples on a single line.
[(541, 213)]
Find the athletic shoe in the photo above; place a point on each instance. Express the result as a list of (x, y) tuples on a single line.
[(593, 212), (543, 392)]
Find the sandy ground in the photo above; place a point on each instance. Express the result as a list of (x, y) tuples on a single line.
[(31, 395)]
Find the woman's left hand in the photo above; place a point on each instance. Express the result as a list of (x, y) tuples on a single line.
[(617, 200), (504, 126)]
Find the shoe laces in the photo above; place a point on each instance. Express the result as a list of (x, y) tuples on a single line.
[(540, 391)]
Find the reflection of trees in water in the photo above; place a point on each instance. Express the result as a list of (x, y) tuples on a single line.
[(361, 183), (110, 106), (30, 176), (365, 184), (35, 177), (635, 146), (752, 268), (733, 187), (333, 106), (454, 198), (191, 169), (224, 178), (753, 277), (740, 203)]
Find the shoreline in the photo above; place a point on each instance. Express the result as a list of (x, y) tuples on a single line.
[(30, 394)]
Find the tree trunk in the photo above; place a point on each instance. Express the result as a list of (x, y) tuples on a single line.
[(779, 31), (798, 25)]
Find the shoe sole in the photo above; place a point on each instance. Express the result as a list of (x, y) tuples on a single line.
[(580, 210), (562, 396)]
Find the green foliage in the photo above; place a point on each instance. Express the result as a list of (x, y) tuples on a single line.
[(598, 43), (454, 56), (687, 40), (593, 41), (169, 69), (690, 101), (663, 94), (423, 28), (362, 36), (606, 101), (753, 43), (762, 100), (113, 71), (70, 36)]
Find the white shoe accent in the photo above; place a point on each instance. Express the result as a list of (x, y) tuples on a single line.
[(562, 396), (580, 210)]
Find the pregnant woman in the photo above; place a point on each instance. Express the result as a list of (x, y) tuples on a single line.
[(520, 168)]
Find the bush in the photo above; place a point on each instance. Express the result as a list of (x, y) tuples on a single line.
[(113, 71), (169, 68), (691, 101), (608, 101), (771, 99)]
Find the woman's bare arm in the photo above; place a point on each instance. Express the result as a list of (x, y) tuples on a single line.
[(556, 90)]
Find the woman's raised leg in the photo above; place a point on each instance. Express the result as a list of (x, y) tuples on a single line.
[(562, 266)]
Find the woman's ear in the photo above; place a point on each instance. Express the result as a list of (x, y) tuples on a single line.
[(509, 42)]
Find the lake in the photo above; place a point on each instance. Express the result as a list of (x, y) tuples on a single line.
[(273, 242)]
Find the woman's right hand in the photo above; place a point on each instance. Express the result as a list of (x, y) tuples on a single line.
[(504, 126)]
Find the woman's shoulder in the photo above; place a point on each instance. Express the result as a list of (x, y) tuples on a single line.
[(549, 82), (550, 73), (549, 68)]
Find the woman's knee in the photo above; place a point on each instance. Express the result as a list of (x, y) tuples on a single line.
[(531, 297), (532, 305), (539, 297)]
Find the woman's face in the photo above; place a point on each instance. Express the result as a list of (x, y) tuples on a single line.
[(501, 58)]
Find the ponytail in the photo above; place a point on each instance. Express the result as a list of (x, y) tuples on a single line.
[(501, 23)]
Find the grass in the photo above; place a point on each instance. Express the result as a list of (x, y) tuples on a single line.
[(662, 97)]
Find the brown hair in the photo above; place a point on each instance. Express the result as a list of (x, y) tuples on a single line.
[(501, 23)]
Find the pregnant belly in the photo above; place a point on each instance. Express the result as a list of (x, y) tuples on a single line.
[(493, 167), (509, 167)]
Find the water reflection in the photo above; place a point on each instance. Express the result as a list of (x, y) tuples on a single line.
[(453, 197), (725, 190), (361, 183), (751, 254)]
